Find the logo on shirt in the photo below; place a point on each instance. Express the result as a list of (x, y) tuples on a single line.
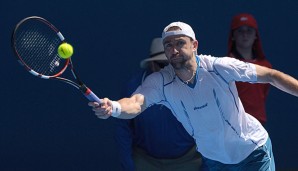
[(201, 107)]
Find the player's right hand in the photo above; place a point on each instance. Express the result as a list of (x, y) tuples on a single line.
[(102, 110)]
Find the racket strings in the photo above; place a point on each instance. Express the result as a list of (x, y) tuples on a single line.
[(36, 44)]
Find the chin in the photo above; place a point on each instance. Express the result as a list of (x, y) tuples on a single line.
[(177, 65)]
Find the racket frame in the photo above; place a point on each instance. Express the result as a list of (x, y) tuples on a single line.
[(68, 63)]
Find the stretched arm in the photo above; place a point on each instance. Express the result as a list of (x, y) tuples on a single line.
[(278, 79), (125, 108)]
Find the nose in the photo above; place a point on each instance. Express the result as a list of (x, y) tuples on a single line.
[(245, 33), (174, 51)]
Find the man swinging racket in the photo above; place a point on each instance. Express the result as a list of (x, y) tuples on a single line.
[(200, 91)]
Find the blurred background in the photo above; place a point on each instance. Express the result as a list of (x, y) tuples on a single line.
[(46, 125)]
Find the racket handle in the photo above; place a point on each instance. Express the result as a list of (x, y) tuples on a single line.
[(91, 96)]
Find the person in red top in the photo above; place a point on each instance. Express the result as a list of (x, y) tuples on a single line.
[(244, 43)]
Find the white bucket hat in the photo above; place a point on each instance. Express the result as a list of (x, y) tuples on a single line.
[(156, 53)]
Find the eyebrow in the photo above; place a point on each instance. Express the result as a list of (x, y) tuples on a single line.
[(166, 42), (177, 39)]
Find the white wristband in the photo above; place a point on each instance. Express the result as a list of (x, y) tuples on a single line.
[(116, 109)]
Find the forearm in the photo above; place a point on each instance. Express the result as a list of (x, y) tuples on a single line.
[(278, 79), (131, 107), (284, 82), (125, 108)]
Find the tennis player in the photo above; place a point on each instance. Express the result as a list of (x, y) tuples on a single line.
[(200, 90), (155, 140)]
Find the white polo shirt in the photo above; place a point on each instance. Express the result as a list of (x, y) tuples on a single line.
[(210, 110)]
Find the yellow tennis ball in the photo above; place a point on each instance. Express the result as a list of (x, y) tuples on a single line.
[(65, 50)]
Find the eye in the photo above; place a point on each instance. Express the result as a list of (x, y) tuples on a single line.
[(250, 30), (167, 45), (239, 31), (180, 43)]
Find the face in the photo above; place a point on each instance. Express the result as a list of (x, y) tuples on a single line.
[(244, 37), (179, 50)]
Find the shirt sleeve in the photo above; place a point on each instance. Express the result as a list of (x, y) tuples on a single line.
[(152, 89), (231, 69), (124, 141)]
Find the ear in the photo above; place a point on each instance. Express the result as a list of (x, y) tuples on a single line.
[(195, 45)]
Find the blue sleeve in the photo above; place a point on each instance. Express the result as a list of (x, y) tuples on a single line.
[(123, 138), (132, 84), (124, 128)]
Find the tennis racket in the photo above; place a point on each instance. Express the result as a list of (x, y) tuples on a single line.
[(35, 42)]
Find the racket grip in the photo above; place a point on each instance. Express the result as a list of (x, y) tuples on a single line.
[(91, 96)]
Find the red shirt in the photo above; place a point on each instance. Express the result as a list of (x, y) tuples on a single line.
[(253, 96)]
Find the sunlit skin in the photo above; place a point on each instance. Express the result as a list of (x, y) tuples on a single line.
[(244, 38), (180, 51)]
